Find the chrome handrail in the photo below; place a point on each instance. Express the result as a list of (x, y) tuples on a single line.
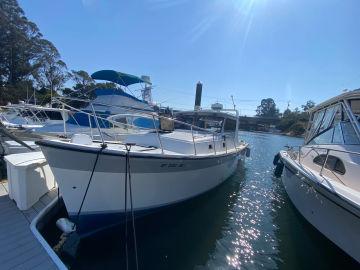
[(152, 115)]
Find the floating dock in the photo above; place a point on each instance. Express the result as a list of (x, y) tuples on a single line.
[(19, 248)]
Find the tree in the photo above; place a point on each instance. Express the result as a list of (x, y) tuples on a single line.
[(309, 104), (267, 108), (18, 43), (286, 113), (25, 56), (84, 85), (52, 72), (81, 78)]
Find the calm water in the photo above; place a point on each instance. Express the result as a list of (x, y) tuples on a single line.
[(246, 223)]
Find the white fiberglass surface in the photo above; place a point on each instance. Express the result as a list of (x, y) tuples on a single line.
[(331, 183)]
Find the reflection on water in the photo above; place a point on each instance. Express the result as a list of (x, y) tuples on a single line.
[(247, 222)]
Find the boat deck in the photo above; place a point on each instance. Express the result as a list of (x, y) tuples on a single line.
[(19, 249)]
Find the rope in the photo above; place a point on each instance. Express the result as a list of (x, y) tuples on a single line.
[(128, 175), (103, 146)]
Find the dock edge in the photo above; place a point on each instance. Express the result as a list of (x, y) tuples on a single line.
[(33, 226)]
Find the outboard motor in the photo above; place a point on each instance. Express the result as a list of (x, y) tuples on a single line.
[(279, 165)]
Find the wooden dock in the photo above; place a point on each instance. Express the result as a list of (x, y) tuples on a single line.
[(19, 249)]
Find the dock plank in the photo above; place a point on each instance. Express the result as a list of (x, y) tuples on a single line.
[(43, 266), (19, 249), (30, 264)]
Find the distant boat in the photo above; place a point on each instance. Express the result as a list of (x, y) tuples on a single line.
[(23, 119), (27, 116), (322, 176), (110, 102)]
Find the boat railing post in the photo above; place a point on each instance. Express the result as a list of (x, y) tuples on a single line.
[(234, 143), (90, 126), (326, 159), (225, 143), (193, 139), (214, 144), (299, 153), (158, 135), (97, 124), (63, 117)]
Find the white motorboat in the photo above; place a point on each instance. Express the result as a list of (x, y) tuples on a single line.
[(25, 120), (116, 101), (168, 165), (29, 116), (321, 177)]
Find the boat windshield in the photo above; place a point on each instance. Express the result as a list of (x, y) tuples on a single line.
[(332, 125)]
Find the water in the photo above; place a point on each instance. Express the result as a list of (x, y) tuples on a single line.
[(246, 223)]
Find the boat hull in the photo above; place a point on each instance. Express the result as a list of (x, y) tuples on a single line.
[(156, 182), (326, 211)]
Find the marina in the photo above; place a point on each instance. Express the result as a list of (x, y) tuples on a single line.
[(179, 135)]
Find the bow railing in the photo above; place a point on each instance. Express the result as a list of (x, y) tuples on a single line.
[(126, 128)]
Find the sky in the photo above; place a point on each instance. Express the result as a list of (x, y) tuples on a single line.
[(288, 50)]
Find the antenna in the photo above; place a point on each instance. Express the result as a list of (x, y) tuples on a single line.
[(232, 99)]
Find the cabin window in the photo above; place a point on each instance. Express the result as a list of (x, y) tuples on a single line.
[(337, 135), (334, 128), (349, 133), (328, 118), (316, 121), (323, 138), (332, 163)]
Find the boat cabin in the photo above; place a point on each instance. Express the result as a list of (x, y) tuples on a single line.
[(332, 142)]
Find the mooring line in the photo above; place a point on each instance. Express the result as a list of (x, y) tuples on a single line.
[(103, 146), (128, 175)]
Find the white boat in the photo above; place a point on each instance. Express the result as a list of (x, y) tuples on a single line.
[(321, 178), (25, 120), (29, 116), (170, 164), (116, 101)]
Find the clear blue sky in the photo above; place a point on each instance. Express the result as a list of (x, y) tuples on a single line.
[(285, 49)]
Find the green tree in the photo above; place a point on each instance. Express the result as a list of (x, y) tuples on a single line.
[(267, 108), (82, 79), (25, 56), (309, 104), (19, 43)]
